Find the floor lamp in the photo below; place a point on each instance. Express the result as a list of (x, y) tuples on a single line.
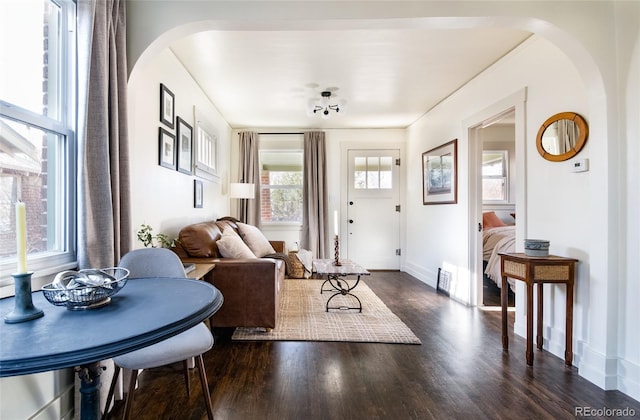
[(241, 191)]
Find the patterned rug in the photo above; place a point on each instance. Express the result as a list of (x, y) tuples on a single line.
[(303, 318)]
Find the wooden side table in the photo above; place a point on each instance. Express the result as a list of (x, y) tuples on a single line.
[(201, 270), (538, 270)]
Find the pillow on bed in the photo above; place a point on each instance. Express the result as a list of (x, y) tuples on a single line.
[(490, 220)]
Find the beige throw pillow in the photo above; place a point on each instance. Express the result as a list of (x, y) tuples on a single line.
[(255, 240), (230, 245)]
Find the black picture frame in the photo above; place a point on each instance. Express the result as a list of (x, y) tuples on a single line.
[(443, 285), (166, 149), (184, 139), (198, 194), (167, 106), (440, 174)]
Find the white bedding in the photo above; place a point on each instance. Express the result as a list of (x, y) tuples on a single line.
[(495, 240)]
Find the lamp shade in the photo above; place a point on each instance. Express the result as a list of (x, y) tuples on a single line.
[(241, 190)]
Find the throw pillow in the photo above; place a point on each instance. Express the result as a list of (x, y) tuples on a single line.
[(231, 245), (490, 220), (255, 240)]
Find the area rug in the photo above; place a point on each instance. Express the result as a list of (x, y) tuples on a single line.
[(303, 318)]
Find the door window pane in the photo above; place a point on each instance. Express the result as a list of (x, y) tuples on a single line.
[(373, 172)]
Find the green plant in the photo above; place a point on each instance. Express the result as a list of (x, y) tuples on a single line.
[(146, 236)]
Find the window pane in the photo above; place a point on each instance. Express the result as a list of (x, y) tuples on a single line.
[(493, 189), (281, 185), (386, 178), (33, 81), (373, 169), (360, 173), (31, 170)]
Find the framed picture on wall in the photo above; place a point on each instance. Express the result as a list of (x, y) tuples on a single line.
[(167, 149), (440, 174), (167, 106), (198, 194), (444, 282), (185, 146)]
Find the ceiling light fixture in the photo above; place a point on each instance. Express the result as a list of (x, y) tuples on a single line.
[(324, 106)]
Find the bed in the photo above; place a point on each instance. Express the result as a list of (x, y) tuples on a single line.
[(496, 239)]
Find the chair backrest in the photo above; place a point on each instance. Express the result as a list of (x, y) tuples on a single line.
[(152, 262)]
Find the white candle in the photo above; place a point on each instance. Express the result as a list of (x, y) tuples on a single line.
[(21, 236), (335, 222)]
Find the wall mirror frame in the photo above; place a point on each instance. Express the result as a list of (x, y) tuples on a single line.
[(559, 147)]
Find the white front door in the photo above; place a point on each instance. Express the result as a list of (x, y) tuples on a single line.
[(373, 209)]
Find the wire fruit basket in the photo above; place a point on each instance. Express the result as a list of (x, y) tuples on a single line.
[(85, 289)]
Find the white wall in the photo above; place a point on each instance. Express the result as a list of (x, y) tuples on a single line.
[(161, 197), (557, 200)]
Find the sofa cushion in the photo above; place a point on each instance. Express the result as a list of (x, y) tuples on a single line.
[(199, 239), (231, 245), (255, 240)]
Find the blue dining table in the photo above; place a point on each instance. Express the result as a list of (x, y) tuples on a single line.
[(146, 311)]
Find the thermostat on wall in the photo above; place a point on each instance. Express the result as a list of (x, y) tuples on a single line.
[(581, 165)]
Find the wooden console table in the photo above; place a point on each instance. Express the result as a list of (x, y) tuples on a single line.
[(538, 270), (201, 270)]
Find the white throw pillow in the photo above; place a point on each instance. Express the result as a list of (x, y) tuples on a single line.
[(255, 240), (231, 245)]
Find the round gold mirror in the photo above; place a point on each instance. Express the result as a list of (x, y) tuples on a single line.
[(562, 136)]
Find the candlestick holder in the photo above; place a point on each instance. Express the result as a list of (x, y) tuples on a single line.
[(336, 249), (23, 304)]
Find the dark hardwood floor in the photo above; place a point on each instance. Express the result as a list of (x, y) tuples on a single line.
[(459, 372)]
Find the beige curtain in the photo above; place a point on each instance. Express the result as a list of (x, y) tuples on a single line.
[(314, 195), (249, 172), (103, 162)]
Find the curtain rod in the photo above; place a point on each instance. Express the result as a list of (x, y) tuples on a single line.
[(280, 134)]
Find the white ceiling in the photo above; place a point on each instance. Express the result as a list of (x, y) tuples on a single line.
[(389, 77)]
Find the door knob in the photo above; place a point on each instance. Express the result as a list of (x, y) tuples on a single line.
[(351, 203), (350, 220)]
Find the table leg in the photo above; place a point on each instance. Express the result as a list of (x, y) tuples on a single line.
[(568, 351), (539, 338), (89, 390), (504, 304), (529, 353)]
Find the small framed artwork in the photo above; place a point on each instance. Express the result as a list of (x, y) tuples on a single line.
[(198, 193), (444, 282), (167, 149), (167, 106), (184, 134), (440, 174)]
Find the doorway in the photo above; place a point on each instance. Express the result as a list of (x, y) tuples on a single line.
[(488, 128), (373, 208)]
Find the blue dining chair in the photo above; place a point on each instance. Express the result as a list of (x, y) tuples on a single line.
[(161, 262)]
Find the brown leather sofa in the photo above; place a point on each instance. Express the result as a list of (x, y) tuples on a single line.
[(251, 287)]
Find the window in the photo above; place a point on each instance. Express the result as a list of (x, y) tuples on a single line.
[(373, 172), (495, 179), (206, 148), (281, 185), (37, 141)]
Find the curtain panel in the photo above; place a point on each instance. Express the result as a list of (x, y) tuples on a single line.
[(249, 172), (104, 226), (314, 195)]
